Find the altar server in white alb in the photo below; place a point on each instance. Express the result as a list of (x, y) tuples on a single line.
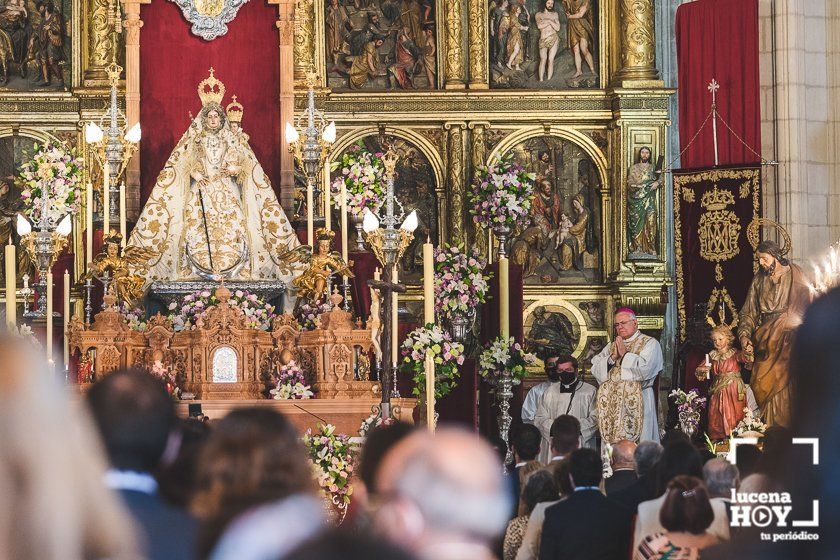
[(626, 370)]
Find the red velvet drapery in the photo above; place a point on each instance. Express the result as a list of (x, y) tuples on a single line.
[(172, 63), (718, 39)]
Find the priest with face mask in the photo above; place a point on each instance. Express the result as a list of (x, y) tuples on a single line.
[(567, 394)]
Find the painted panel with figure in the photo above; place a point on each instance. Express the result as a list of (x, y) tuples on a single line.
[(35, 45), (414, 185), (562, 243), (380, 44), (14, 152), (543, 44)]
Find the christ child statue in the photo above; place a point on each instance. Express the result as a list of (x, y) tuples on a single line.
[(728, 391)]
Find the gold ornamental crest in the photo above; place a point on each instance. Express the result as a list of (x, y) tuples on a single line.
[(719, 226)]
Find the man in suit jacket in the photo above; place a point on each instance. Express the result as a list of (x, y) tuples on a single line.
[(587, 525), (526, 446), (135, 417), (645, 457), (623, 467)]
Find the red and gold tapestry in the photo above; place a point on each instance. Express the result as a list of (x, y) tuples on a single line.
[(714, 259)]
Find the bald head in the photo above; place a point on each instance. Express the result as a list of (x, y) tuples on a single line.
[(453, 479), (622, 455)]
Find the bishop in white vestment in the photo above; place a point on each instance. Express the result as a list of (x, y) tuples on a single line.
[(626, 370)]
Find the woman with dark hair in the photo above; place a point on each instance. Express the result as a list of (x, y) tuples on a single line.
[(540, 486), (253, 478), (686, 516)]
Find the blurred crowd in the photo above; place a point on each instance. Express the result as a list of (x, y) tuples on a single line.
[(115, 474)]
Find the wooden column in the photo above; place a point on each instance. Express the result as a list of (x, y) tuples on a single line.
[(455, 180), (479, 77), (132, 24), (286, 28), (478, 155), (454, 30), (99, 50), (304, 44)]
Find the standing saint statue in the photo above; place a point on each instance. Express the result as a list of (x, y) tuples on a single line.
[(643, 182), (626, 370), (212, 211), (775, 303)]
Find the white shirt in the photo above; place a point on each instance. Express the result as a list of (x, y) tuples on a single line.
[(529, 407), (555, 402), (642, 367), (131, 480)]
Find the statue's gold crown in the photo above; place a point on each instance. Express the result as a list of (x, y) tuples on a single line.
[(324, 233), (211, 90), (716, 199), (113, 237), (235, 110)]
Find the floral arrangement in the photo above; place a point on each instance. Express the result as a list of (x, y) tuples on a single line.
[(307, 314), (501, 194), (504, 354), (167, 376), (374, 421), (195, 306), (362, 174), (749, 426), (433, 341), (332, 461), (460, 282), (689, 406), (58, 171), (291, 384), (25, 333), (134, 317)]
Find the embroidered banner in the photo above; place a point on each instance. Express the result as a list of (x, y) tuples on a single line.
[(714, 259)]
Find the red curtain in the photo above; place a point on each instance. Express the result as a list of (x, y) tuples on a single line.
[(172, 63), (718, 39)]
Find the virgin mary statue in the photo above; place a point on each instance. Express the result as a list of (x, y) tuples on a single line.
[(212, 212)]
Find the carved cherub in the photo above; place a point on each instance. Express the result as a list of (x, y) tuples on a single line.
[(312, 284), (119, 265)]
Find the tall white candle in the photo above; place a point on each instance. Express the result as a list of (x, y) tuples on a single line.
[(123, 223), (504, 297), (327, 213), (106, 199), (11, 284), (66, 321), (88, 224), (49, 315), (310, 217), (429, 317), (395, 319), (345, 235)]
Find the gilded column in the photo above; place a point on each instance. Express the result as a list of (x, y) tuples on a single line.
[(455, 181), (454, 66), (304, 49), (638, 47), (479, 78), (100, 44), (478, 155), (132, 24), (286, 36)]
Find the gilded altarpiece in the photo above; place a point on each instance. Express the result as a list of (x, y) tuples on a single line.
[(580, 134)]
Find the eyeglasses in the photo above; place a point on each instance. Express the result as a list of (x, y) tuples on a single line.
[(622, 323)]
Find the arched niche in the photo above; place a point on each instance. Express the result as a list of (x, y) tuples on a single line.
[(564, 243), (225, 365), (418, 185)]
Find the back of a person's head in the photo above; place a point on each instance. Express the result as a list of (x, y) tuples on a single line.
[(377, 444), (176, 476), (560, 472), (452, 479), (539, 486), (585, 468), (747, 457), (341, 544), (254, 456), (526, 442), (565, 434), (678, 458), (776, 444), (686, 508), (54, 504), (135, 417), (720, 477), (646, 456), (673, 435)]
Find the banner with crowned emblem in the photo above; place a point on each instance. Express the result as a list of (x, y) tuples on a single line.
[(713, 208)]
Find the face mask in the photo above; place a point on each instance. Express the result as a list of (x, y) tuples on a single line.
[(567, 377)]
